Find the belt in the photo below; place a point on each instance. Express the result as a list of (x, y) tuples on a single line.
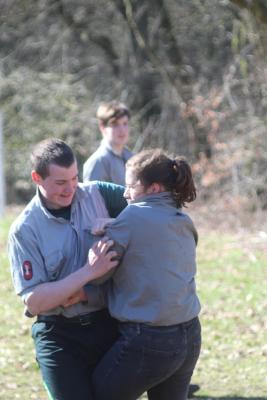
[(140, 325), (83, 319)]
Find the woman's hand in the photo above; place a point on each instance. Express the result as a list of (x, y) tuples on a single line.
[(98, 227), (101, 258)]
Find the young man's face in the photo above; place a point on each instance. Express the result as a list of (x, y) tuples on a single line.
[(59, 187), (117, 132)]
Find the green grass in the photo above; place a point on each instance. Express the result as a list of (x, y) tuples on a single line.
[(232, 285), (19, 376)]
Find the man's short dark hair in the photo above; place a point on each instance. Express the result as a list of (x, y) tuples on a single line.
[(110, 111), (51, 151)]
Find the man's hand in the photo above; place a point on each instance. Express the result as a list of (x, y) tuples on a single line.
[(101, 259)]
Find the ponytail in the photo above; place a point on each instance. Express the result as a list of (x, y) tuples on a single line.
[(183, 190)]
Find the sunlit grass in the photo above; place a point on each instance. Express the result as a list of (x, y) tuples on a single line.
[(232, 285)]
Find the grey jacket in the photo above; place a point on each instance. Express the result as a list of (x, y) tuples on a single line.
[(155, 281)]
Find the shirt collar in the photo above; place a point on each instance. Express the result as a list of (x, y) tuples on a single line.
[(41, 204), (156, 198), (108, 147), (79, 194)]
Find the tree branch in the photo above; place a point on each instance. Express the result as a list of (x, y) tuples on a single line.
[(258, 8)]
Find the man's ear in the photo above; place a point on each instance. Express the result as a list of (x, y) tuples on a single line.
[(36, 177), (102, 127)]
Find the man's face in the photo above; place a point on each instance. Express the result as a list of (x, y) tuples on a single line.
[(117, 132), (59, 187)]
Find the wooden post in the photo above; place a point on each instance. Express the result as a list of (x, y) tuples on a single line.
[(2, 166)]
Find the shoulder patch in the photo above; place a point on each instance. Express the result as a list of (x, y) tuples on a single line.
[(27, 270)]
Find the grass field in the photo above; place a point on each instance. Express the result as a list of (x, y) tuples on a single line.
[(232, 284)]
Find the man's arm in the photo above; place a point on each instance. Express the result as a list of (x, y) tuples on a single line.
[(45, 296), (113, 197), (49, 295)]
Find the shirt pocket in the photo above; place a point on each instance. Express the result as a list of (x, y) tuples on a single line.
[(54, 262)]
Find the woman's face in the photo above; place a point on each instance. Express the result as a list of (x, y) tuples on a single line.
[(133, 188)]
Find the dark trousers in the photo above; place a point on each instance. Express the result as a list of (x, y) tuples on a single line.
[(67, 353), (159, 360)]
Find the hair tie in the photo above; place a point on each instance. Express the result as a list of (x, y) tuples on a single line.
[(174, 165)]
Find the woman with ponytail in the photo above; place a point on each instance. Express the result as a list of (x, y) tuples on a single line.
[(152, 293)]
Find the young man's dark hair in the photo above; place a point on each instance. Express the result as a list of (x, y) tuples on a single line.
[(111, 111), (51, 151)]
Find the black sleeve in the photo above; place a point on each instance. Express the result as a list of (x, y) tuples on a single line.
[(113, 197)]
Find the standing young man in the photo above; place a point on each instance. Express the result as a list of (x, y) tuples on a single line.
[(48, 251), (107, 163)]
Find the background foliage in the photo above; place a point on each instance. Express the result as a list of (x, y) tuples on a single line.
[(192, 72)]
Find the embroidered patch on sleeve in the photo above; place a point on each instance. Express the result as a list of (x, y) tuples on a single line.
[(27, 270)]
